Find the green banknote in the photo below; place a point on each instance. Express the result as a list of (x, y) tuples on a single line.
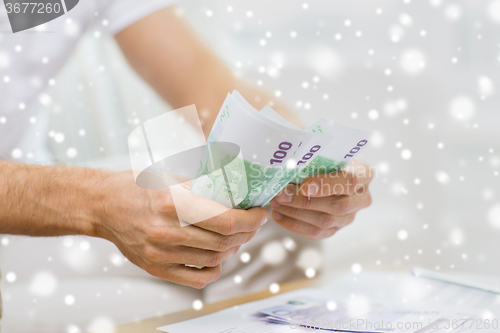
[(251, 156)]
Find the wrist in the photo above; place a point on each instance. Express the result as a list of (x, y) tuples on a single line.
[(114, 199), (100, 191)]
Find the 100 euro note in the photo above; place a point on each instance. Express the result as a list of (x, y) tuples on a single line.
[(345, 144), (265, 152), (272, 153), (294, 161), (314, 313)]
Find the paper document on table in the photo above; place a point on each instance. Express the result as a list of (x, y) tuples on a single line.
[(341, 316), (425, 306), (239, 319), (300, 313), (420, 272)]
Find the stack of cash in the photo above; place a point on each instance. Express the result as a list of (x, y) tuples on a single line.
[(251, 156)]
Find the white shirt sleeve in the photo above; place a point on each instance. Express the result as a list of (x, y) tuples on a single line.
[(121, 13)]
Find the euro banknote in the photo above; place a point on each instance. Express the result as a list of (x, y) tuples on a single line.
[(320, 314), (251, 156)]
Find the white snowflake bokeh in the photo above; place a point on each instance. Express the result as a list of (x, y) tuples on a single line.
[(421, 75)]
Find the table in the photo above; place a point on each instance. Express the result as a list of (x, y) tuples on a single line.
[(149, 325)]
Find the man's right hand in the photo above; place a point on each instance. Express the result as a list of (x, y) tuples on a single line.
[(145, 227)]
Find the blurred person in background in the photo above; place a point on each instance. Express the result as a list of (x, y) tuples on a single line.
[(38, 199)]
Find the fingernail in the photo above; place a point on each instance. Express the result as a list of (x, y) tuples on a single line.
[(264, 220), (285, 197), (313, 188), (275, 203), (278, 216)]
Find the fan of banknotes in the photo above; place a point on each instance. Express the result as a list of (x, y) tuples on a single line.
[(251, 156)]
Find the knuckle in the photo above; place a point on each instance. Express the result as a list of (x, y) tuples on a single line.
[(151, 255), (342, 206), (315, 233), (249, 237), (332, 232), (163, 202), (216, 275), (326, 221), (204, 279), (352, 181), (293, 212), (200, 283), (352, 177), (178, 236), (293, 226), (306, 202), (346, 222), (235, 250), (154, 271), (245, 238), (223, 244), (255, 224), (213, 259), (227, 225), (155, 232)]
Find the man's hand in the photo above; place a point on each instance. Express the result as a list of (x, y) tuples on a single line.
[(59, 200), (324, 203), (144, 226)]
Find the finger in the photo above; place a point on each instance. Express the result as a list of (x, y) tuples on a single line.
[(334, 205), (192, 236), (197, 257), (235, 221), (318, 219), (357, 175), (302, 228), (209, 240), (187, 276)]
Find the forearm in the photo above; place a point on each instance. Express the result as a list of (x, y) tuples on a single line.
[(169, 55), (210, 82), (207, 85), (49, 200), (209, 96)]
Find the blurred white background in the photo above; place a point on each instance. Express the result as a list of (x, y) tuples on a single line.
[(423, 75)]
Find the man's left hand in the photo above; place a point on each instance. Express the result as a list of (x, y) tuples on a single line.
[(324, 203)]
